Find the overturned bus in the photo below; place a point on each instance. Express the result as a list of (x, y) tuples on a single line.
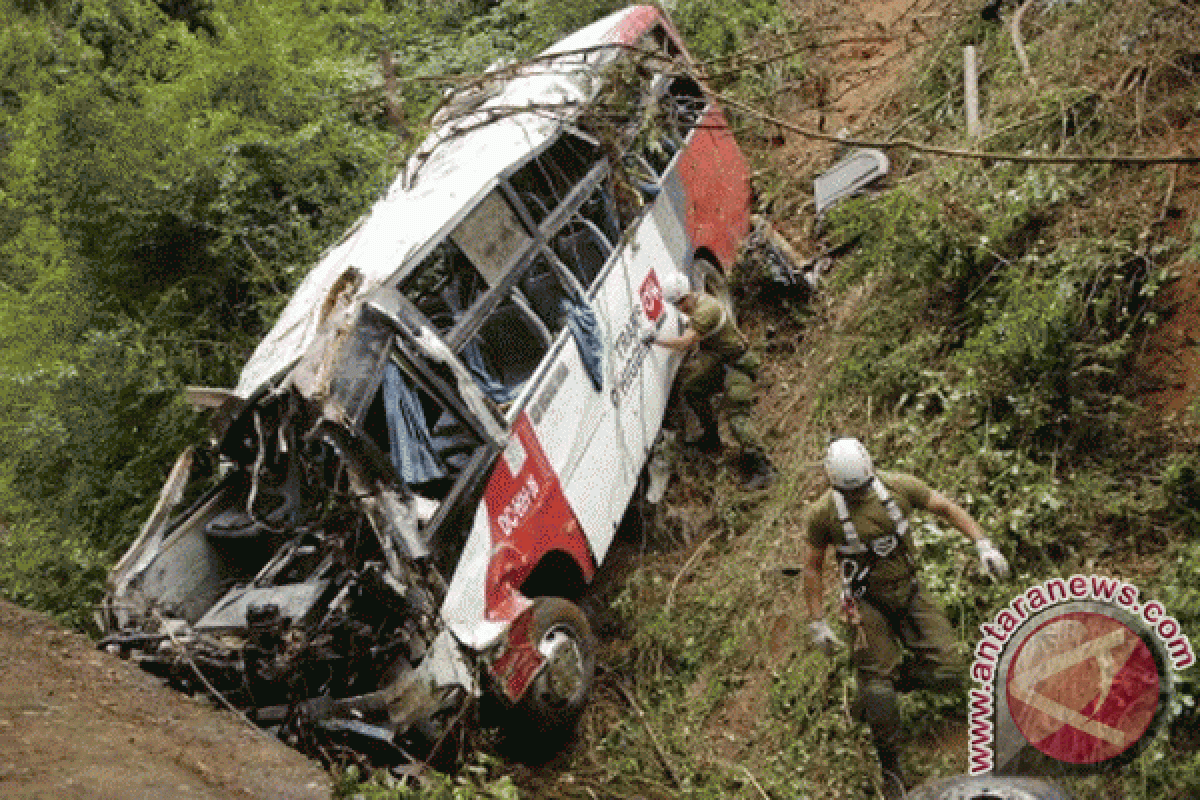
[(426, 459)]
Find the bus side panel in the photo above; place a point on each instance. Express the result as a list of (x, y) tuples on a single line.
[(604, 478), (567, 411), (716, 179), (529, 517), (670, 213), (637, 379)]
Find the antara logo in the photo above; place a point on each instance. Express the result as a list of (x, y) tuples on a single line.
[(1075, 675)]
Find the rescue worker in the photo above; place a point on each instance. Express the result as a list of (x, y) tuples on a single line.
[(863, 516), (722, 361)]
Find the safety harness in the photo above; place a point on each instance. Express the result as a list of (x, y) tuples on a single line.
[(858, 559)]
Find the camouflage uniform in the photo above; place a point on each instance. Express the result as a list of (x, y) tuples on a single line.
[(722, 362), (894, 611)]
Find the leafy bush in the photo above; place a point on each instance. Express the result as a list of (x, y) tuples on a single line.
[(162, 188)]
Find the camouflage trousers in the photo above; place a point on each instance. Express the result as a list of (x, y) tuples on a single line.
[(706, 374)]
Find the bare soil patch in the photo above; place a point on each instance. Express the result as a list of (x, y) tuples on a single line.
[(79, 723)]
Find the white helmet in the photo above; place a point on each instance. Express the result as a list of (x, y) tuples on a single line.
[(674, 287), (848, 464)]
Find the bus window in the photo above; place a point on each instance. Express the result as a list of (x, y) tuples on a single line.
[(544, 292), (600, 208), (492, 237), (582, 247), (679, 107), (427, 443), (507, 349), (546, 180), (657, 40), (683, 106), (444, 285), (657, 150)]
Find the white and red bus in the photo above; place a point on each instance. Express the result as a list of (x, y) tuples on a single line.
[(426, 459)]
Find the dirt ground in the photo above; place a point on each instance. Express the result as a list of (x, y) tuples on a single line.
[(78, 723)]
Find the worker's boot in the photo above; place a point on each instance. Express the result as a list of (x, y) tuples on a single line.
[(710, 438), (892, 778), (709, 441), (760, 472), (882, 712)]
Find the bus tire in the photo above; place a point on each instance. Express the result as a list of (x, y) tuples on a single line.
[(708, 278), (555, 699)]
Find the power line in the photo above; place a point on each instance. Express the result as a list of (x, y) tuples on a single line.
[(515, 69), (950, 152)]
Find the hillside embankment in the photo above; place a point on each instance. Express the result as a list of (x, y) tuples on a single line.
[(79, 723)]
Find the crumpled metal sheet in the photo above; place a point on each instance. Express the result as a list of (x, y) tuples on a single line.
[(848, 177)]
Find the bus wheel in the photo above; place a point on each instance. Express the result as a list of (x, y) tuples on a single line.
[(556, 697), (709, 278)]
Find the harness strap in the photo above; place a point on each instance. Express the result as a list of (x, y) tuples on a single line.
[(853, 544), (854, 575), (893, 509)]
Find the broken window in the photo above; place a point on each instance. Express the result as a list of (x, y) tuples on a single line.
[(547, 180), (678, 109), (429, 442), (506, 350), (657, 40), (492, 237), (682, 107), (600, 209), (582, 244), (544, 291), (444, 285)]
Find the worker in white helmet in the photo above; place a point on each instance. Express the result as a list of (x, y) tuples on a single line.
[(720, 360), (864, 518)]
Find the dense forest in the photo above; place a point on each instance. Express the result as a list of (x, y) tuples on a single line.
[(1016, 331)]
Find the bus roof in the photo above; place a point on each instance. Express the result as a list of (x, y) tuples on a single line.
[(456, 165)]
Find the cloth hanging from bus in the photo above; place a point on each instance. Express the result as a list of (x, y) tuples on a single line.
[(412, 449), (585, 328), (496, 391)]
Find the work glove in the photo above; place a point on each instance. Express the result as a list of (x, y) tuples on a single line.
[(991, 560), (823, 637)]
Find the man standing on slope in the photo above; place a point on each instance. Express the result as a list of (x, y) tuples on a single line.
[(723, 361), (864, 518)]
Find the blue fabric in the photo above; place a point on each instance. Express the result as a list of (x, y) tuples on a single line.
[(496, 391), (412, 449), (581, 319)]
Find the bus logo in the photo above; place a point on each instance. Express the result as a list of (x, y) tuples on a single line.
[(652, 297)]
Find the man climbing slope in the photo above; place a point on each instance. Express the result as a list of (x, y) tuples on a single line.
[(864, 518)]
